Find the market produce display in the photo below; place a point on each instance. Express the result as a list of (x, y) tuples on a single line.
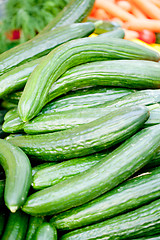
[(80, 129)]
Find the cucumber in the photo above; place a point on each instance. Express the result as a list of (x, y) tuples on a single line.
[(18, 174), (13, 123), (2, 222), (42, 44), (2, 184), (53, 174), (154, 117), (16, 226), (86, 139), (125, 197), (112, 170), (9, 113), (53, 121), (71, 54), (157, 237), (116, 33), (103, 26), (34, 223), (74, 11), (46, 231), (8, 105), (41, 166), (140, 222)]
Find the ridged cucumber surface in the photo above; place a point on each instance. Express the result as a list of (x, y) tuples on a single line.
[(71, 54), (154, 117), (129, 195), (17, 168), (142, 221), (34, 223), (112, 170), (46, 232), (13, 123), (86, 139)]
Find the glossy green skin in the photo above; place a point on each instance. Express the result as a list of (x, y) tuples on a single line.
[(117, 33), (154, 117), (109, 73), (142, 221), (9, 113), (16, 226), (129, 195), (42, 166), (53, 121), (17, 168), (51, 175), (2, 184), (42, 44), (113, 169), (13, 123), (46, 232), (34, 223), (71, 54), (157, 237), (86, 139), (74, 11)]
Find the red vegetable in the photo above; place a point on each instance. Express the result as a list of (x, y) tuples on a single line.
[(147, 36)]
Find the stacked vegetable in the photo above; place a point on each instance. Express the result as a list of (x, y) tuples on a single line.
[(84, 156)]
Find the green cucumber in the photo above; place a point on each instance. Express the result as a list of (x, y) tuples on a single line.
[(9, 113), (18, 174), (2, 184), (53, 121), (46, 232), (2, 222), (116, 33), (51, 175), (86, 139), (42, 44), (74, 11), (103, 26), (8, 105), (71, 54), (42, 166), (157, 237), (127, 196), (16, 226), (140, 222), (154, 117), (34, 223), (112, 170), (13, 123)]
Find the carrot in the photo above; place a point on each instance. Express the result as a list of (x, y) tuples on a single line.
[(130, 34), (125, 5), (101, 14), (156, 2), (137, 12), (115, 11), (140, 24), (148, 8)]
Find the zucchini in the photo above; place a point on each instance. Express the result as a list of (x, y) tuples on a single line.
[(53, 121), (86, 139), (42, 44), (2, 184), (46, 232), (18, 174), (123, 198), (74, 11), (34, 223), (69, 55), (140, 222), (112, 170), (16, 226)]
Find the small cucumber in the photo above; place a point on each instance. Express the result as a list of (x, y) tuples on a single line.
[(71, 54), (34, 223), (129, 195), (103, 26), (42, 44), (85, 139), (112, 170), (16, 226), (17, 168), (46, 232), (140, 222)]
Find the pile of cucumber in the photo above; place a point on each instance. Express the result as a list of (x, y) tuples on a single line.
[(80, 135)]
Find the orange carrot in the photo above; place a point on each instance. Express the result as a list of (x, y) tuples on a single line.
[(130, 34), (148, 8), (140, 24), (101, 14), (112, 9), (156, 2), (137, 12), (125, 5)]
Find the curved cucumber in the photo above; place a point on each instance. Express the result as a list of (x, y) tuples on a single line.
[(34, 223), (46, 232), (18, 174), (86, 139), (113, 169), (42, 44), (13, 123), (129, 195), (140, 222), (16, 226), (71, 54)]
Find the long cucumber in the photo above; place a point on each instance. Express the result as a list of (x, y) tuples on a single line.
[(138, 223), (46, 232), (112, 170), (129, 195), (17, 168), (71, 54)]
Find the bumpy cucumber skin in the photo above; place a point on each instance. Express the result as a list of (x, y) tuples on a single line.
[(71, 54), (74, 11), (34, 223), (16, 226), (142, 221), (129, 195), (42, 44), (113, 169), (86, 139), (46, 232), (13, 123), (17, 168)]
